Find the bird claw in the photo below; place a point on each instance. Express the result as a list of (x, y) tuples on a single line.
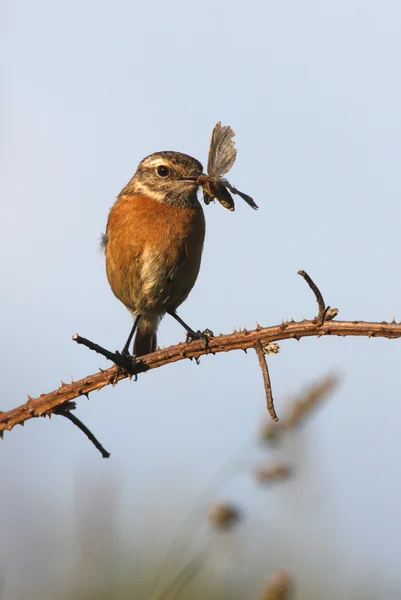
[(200, 335), (125, 362)]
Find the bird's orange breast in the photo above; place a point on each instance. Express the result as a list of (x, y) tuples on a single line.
[(153, 252)]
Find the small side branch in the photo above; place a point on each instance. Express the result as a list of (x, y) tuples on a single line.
[(266, 380), (126, 363), (325, 312), (64, 411)]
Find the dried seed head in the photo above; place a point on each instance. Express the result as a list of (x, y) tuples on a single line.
[(270, 432), (301, 407), (311, 397), (331, 313), (272, 472), (224, 516), (278, 588), (271, 348)]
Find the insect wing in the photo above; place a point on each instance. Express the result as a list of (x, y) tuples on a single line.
[(222, 152)]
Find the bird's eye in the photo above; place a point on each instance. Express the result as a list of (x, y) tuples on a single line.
[(163, 171)]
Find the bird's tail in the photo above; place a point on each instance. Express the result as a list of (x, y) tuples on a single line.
[(145, 338)]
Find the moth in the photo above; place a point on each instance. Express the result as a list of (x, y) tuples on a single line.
[(222, 155)]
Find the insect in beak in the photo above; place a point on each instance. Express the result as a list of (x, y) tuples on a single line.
[(222, 155)]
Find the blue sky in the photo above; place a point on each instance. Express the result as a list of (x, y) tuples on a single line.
[(312, 90)]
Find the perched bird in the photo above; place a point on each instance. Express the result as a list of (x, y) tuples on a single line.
[(153, 244)]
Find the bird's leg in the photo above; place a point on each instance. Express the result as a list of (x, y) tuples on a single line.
[(125, 350), (125, 359), (191, 334)]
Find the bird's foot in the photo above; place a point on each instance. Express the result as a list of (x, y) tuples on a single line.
[(125, 363), (200, 335)]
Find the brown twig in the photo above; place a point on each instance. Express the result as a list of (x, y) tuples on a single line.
[(325, 312), (127, 363), (239, 340), (65, 412), (266, 380)]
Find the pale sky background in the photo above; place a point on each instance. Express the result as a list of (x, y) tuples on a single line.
[(313, 91)]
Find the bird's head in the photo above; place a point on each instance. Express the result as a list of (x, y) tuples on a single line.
[(167, 176)]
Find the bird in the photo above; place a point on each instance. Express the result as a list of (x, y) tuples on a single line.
[(153, 245)]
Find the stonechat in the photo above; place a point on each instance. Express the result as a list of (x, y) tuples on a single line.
[(153, 244)]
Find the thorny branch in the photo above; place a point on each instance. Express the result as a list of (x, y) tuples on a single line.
[(46, 404)]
